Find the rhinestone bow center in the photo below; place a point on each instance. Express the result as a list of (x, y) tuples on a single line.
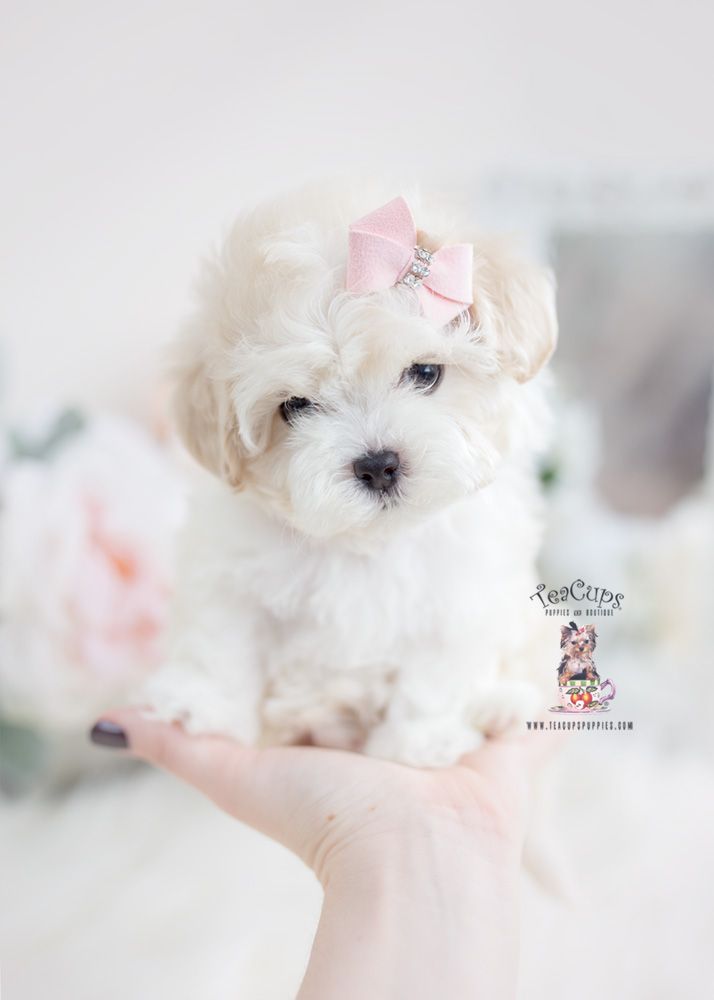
[(418, 269)]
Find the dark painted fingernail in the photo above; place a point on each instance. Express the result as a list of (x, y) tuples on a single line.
[(108, 734)]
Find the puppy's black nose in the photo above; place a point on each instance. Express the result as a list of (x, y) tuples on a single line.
[(378, 470)]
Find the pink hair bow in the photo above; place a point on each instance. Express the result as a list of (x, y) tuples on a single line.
[(383, 253)]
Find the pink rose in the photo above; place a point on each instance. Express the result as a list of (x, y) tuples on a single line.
[(87, 540)]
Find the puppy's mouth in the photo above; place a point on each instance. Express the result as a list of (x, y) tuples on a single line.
[(389, 499)]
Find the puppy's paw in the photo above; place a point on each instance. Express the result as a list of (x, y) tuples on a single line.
[(180, 694), (423, 742), (505, 707), (341, 731)]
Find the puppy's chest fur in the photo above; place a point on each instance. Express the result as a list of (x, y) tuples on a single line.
[(431, 590), (352, 609)]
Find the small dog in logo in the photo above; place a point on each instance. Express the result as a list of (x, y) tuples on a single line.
[(578, 645)]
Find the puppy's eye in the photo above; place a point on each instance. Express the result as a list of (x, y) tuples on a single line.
[(293, 406), (426, 377)]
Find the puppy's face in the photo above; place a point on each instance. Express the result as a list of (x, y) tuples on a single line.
[(578, 644), (375, 419), (352, 414)]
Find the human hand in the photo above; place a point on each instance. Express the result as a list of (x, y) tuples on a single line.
[(422, 863), (326, 805)]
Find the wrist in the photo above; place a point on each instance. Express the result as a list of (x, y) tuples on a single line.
[(425, 860), (422, 847), (435, 909)]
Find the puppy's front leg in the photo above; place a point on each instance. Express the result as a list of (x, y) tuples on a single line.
[(427, 741), (427, 721), (212, 681)]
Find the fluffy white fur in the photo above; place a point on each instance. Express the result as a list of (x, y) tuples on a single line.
[(309, 609)]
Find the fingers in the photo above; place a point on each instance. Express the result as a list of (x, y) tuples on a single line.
[(219, 767), (266, 789)]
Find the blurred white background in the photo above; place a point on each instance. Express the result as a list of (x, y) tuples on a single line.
[(131, 134)]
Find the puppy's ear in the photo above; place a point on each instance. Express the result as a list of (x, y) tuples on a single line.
[(590, 629), (564, 634), (514, 305), (204, 414)]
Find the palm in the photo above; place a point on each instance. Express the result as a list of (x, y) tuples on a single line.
[(318, 801)]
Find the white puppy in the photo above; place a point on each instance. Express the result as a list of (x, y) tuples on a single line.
[(357, 574)]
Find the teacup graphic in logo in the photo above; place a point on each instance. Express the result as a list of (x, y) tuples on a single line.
[(579, 684), (583, 696)]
